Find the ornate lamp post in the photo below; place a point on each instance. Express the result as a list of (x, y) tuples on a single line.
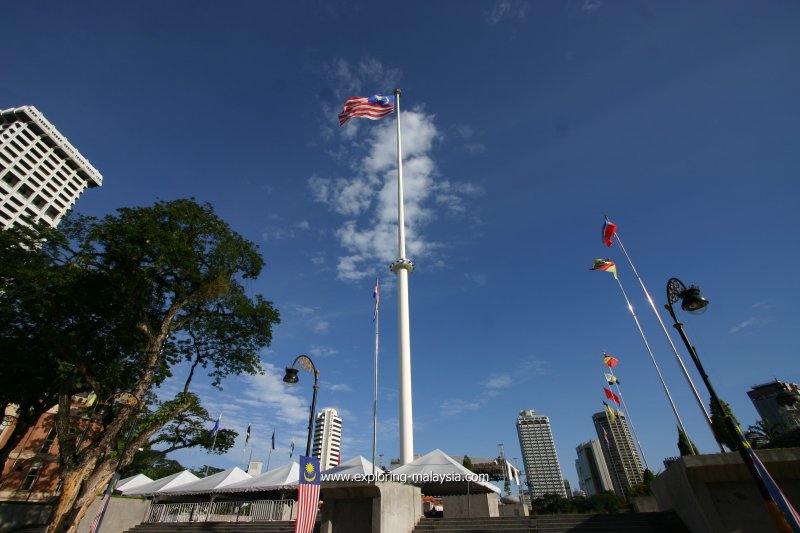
[(291, 378), (125, 398), (778, 507)]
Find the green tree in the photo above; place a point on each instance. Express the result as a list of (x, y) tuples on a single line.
[(763, 432), (205, 470), (685, 444), (467, 463), (721, 432), (113, 304)]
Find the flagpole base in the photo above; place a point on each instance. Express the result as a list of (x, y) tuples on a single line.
[(406, 264)]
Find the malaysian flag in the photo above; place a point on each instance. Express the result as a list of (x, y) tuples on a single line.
[(373, 107), (100, 511), (307, 495)]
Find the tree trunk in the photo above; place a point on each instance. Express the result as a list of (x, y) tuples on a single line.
[(71, 483)]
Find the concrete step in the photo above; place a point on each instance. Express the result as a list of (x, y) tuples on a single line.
[(574, 523), (216, 527)]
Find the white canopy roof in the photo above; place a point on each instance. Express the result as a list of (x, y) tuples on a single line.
[(210, 483), (278, 478), (355, 466), (438, 474), (131, 482), (181, 478)]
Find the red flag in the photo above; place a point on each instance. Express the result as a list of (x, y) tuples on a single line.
[(611, 396), (373, 107), (610, 361), (609, 230)]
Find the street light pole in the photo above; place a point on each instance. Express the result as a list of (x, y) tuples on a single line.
[(128, 399), (780, 510), (291, 378)]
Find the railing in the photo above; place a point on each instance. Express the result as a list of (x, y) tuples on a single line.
[(250, 511)]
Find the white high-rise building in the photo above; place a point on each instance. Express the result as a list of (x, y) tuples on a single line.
[(542, 469), (593, 474), (619, 450), (327, 438), (41, 173)]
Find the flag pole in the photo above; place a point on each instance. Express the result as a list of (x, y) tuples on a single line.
[(652, 358), (375, 399), (402, 267), (669, 339), (629, 418)]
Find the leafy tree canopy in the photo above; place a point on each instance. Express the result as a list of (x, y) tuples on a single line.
[(113, 304)]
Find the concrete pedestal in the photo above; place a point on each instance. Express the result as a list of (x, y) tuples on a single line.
[(472, 506), (384, 507)]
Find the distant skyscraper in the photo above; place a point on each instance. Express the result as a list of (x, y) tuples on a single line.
[(619, 451), (41, 173), (542, 470), (327, 438), (784, 417), (593, 474)]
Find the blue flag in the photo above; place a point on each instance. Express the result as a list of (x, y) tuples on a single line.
[(215, 428)]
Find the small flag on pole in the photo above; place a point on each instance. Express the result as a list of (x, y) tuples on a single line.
[(605, 436), (216, 427), (247, 437), (611, 396), (273, 439), (611, 378), (377, 297), (307, 495), (609, 412), (610, 361), (291, 450), (609, 230), (373, 107), (605, 265)]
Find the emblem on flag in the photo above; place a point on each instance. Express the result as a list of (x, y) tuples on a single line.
[(372, 107)]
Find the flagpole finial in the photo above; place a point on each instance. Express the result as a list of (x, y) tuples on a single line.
[(398, 92)]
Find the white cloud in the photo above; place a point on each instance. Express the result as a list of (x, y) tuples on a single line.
[(507, 9), (269, 392), (499, 381), (477, 279), (454, 407), (590, 6), (321, 327), (340, 387), (369, 198), (745, 324), (321, 351)]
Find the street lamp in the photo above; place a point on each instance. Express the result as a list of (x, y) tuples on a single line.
[(778, 507), (292, 378), (125, 398)]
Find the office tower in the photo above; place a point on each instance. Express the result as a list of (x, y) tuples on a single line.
[(619, 451), (567, 488), (327, 438), (777, 404), (542, 470), (593, 474), (41, 173)]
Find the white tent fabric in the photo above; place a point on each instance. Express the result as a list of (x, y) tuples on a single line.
[(181, 478), (439, 474), (349, 469), (130, 483), (286, 476), (210, 483)]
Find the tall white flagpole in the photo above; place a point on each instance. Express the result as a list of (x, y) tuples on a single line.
[(669, 339), (402, 267), (375, 399)]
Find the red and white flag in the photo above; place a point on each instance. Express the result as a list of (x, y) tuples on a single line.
[(307, 495)]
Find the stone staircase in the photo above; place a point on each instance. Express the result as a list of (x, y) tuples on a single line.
[(217, 527), (568, 523)]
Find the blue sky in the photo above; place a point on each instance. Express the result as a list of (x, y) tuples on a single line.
[(524, 123)]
